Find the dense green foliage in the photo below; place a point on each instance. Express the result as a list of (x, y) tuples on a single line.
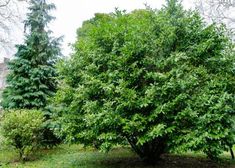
[(32, 73), (32, 78), (159, 79), (23, 130)]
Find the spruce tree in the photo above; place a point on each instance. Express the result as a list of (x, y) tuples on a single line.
[(31, 80)]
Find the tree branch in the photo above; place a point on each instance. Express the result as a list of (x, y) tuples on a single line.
[(4, 5)]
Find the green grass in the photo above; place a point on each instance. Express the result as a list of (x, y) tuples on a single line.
[(66, 156), (75, 156)]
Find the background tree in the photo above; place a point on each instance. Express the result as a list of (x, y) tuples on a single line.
[(221, 11), (160, 80), (10, 18), (32, 73), (32, 78)]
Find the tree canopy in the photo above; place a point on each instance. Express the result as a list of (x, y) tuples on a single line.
[(161, 80)]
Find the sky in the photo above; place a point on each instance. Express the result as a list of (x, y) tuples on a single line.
[(70, 15)]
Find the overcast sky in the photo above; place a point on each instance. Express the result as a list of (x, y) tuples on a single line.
[(70, 15)]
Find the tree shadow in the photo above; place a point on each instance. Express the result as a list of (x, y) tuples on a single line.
[(167, 161)]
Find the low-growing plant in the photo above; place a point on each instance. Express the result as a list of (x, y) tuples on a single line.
[(23, 130)]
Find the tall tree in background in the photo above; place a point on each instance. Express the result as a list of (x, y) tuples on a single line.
[(32, 73), (221, 11), (10, 18)]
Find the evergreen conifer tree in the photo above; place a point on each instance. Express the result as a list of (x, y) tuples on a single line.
[(31, 80)]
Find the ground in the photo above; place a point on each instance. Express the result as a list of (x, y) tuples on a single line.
[(75, 156)]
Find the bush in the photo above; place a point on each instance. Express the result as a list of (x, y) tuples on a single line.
[(23, 130), (160, 79)]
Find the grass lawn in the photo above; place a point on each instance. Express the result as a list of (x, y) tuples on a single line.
[(75, 156)]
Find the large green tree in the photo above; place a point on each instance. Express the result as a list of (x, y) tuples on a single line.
[(31, 80), (161, 80)]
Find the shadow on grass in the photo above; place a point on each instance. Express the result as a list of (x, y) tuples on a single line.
[(76, 156), (124, 158), (167, 161)]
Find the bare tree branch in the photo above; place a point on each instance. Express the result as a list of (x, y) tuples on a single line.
[(220, 11), (217, 9), (9, 20), (6, 3)]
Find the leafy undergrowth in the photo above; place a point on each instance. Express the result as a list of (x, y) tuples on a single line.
[(75, 156)]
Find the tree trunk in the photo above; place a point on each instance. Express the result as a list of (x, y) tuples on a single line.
[(149, 152), (231, 152)]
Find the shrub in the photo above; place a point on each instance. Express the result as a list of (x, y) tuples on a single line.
[(160, 79), (23, 130)]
